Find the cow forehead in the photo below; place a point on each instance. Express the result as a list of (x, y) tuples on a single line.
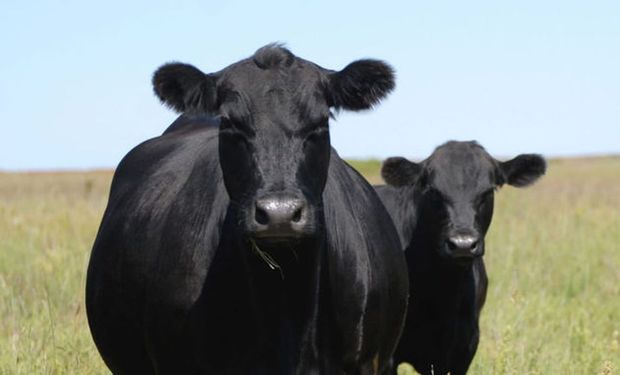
[(295, 92), (462, 168), (247, 77)]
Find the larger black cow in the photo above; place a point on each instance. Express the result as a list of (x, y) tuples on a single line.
[(238, 242), (442, 208)]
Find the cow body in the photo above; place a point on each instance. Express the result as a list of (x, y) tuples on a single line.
[(192, 274), (442, 208), (441, 329)]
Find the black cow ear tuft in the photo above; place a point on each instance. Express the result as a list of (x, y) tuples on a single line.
[(524, 169), (361, 84), (398, 171), (184, 88)]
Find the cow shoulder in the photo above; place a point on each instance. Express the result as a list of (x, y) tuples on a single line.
[(165, 165), (364, 256), (189, 122), (400, 204), (354, 214), (161, 199)]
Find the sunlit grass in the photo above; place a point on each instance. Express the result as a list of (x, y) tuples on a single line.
[(553, 258), (47, 225)]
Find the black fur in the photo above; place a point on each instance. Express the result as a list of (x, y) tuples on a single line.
[(523, 170), (184, 88), (273, 55), (398, 171), (448, 198), (190, 275), (362, 84)]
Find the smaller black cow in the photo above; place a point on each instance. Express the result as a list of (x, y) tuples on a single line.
[(442, 208)]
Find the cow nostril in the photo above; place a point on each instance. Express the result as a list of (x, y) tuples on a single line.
[(473, 246), (261, 216), (297, 215), (451, 245)]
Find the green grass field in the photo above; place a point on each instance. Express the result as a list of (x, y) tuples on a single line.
[(553, 258)]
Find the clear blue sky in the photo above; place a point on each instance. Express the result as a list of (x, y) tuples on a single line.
[(518, 76)]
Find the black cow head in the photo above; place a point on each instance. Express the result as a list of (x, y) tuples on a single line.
[(453, 192), (274, 137)]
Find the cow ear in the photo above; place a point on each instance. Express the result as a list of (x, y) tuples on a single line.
[(361, 84), (523, 170), (397, 171), (184, 88)]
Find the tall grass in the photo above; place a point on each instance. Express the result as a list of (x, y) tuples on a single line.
[(553, 258), (47, 226)]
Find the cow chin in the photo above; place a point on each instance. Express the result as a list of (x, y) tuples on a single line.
[(283, 250), (277, 241)]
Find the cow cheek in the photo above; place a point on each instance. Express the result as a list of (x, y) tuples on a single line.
[(314, 165), (238, 166), (485, 214)]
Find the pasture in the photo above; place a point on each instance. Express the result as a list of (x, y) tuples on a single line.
[(553, 259)]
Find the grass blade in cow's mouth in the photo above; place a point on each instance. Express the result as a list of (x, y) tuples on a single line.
[(266, 257)]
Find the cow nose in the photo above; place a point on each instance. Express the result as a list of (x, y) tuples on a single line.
[(276, 217), (463, 244)]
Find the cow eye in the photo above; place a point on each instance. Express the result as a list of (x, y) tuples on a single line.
[(317, 133), (225, 124), (233, 125), (485, 196), (435, 194)]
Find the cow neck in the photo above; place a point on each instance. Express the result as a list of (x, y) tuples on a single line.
[(434, 278), (285, 297), (404, 213)]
